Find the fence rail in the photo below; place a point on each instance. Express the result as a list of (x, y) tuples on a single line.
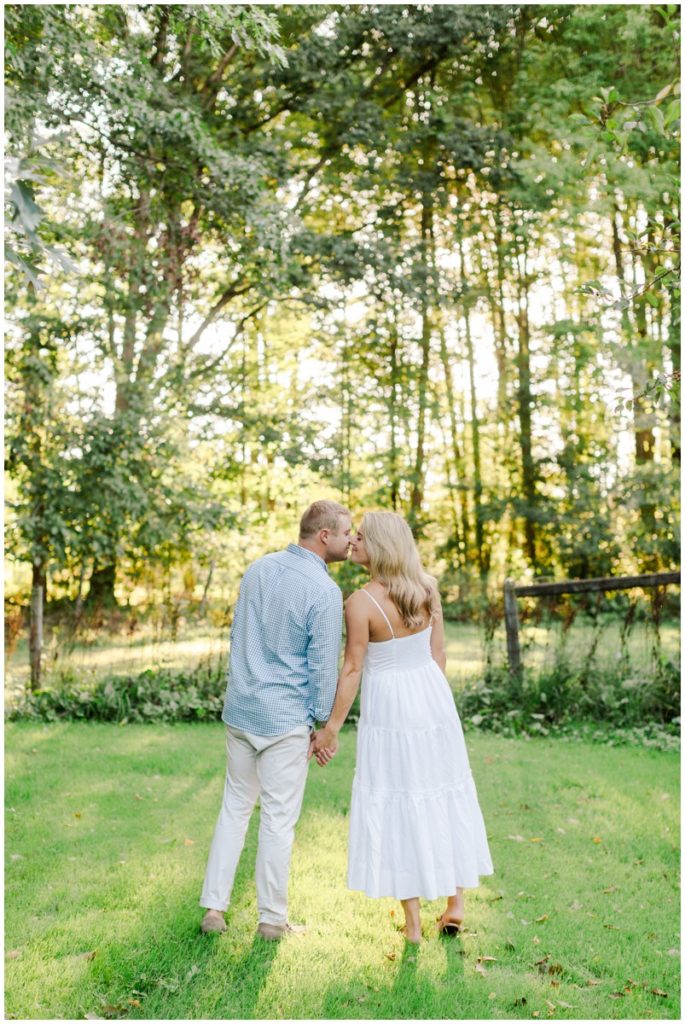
[(512, 590)]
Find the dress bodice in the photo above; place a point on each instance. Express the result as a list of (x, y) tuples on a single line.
[(399, 652), (402, 652)]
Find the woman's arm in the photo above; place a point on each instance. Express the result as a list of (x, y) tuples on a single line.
[(325, 741), (438, 638)]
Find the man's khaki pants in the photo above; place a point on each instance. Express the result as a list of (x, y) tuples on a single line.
[(273, 768)]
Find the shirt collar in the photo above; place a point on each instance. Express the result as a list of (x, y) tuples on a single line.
[(297, 549)]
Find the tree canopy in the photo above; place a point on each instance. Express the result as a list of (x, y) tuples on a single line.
[(412, 256)]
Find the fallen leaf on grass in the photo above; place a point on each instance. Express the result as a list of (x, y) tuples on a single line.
[(596, 839), (593, 981), (536, 839), (613, 927), (616, 995), (90, 955), (77, 814), (134, 1002), (544, 917), (390, 956), (517, 839), (536, 941), (545, 968), (551, 1005), (521, 1001), (610, 888), (188, 842), (13, 954), (486, 959), (659, 992), (536, 1013)]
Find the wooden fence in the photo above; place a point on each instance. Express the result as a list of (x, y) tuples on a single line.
[(512, 590)]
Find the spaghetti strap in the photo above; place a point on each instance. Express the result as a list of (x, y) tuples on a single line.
[(380, 610)]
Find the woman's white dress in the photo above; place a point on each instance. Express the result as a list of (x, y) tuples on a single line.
[(416, 827)]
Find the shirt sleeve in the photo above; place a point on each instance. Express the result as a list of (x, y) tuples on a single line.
[(323, 652)]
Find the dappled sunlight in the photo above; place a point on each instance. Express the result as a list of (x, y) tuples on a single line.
[(123, 882), (123, 657)]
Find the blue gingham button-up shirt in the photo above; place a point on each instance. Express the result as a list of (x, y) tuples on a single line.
[(285, 644)]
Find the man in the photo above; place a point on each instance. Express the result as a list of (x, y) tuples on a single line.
[(285, 643)]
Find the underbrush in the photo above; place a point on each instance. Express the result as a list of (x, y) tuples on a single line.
[(628, 705), (620, 706), (155, 695)]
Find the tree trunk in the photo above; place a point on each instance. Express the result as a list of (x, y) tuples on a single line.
[(500, 327), (36, 623), (394, 481), (481, 554), (101, 589), (525, 404), (637, 339), (205, 592), (457, 455), (417, 491), (346, 413)]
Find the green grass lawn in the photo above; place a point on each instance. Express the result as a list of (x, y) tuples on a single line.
[(107, 829)]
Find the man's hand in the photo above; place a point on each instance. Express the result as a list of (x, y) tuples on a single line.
[(323, 745)]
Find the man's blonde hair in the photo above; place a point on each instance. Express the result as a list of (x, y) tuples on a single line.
[(321, 515)]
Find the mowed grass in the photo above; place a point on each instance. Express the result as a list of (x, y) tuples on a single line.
[(107, 830)]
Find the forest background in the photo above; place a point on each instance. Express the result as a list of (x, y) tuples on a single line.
[(405, 256)]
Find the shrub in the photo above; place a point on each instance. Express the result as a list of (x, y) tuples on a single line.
[(533, 703), (156, 695)]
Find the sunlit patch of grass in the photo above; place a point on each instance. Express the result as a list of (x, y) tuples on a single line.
[(107, 831), (200, 643), (540, 646)]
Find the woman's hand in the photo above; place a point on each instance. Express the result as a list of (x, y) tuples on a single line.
[(323, 745)]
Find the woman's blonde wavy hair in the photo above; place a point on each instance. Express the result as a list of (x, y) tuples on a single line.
[(394, 560)]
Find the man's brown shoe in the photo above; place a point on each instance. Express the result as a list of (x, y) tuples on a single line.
[(274, 932), (213, 921)]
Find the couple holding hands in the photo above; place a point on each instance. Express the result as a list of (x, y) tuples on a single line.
[(416, 829)]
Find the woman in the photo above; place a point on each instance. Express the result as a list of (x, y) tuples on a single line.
[(416, 828)]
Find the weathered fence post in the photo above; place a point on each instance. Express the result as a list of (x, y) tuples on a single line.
[(511, 622), (601, 583), (36, 634)]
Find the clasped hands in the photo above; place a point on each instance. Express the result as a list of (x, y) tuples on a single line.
[(323, 745)]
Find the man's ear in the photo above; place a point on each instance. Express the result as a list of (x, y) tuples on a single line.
[(324, 535)]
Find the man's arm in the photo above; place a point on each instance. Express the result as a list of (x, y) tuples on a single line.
[(323, 651), (325, 741)]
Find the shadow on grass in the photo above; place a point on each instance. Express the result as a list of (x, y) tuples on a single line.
[(245, 981), (411, 995), (162, 961)]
